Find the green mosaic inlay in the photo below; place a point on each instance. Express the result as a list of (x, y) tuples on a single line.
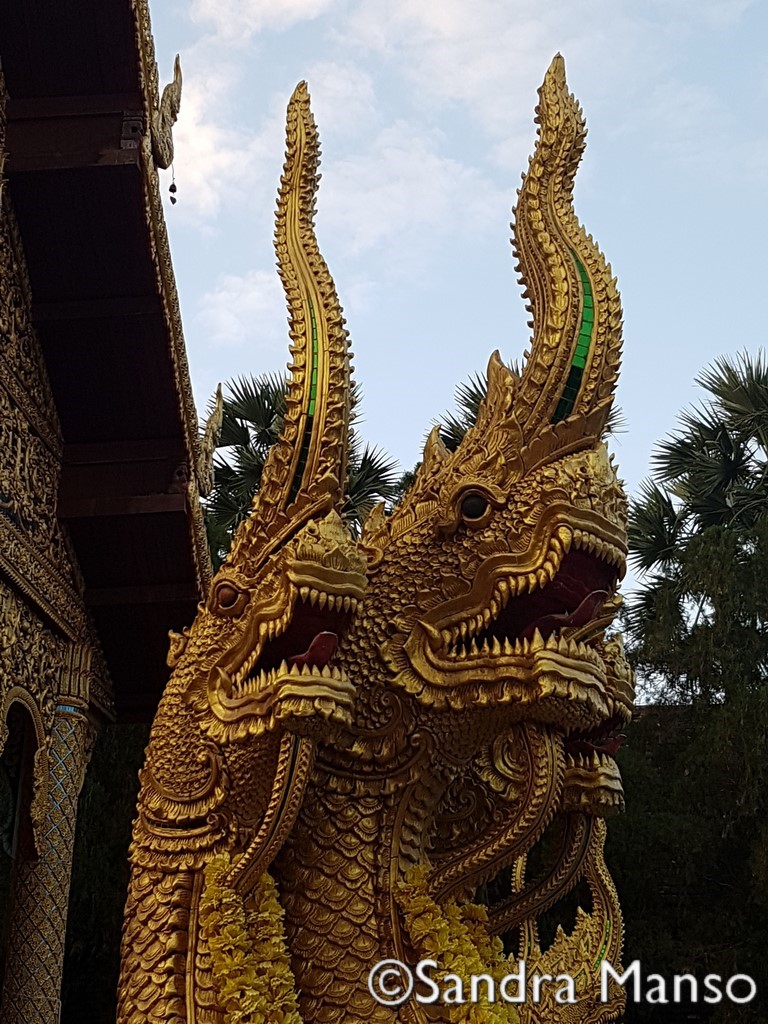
[(313, 382), (310, 408), (605, 942), (583, 345)]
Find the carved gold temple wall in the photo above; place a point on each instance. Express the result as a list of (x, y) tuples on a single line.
[(50, 665)]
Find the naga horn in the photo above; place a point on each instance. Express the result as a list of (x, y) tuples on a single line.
[(576, 346), (305, 472)]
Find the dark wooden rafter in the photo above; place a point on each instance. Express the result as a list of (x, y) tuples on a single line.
[(60, 133)]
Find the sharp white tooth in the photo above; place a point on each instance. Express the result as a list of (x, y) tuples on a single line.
[(486, 648), (573, 648), (326, 672), (543, 577), (463, 629), (496, 646), (315, 670), (322, 599), (304, 591), (353, 603), (526, 646), (272, 629), (462, 652), (550, 569), (473, 647), (532, 582), (433, 635), (562, 645), (557, 548), (335, 673), (577, 536), (346, 603), (503, 588), (521, 585), (494, 608), (552, 641), (313, 596), (508, 648), (565, 537), (305, 670), (283, 667), (519, 647), (537, 641)]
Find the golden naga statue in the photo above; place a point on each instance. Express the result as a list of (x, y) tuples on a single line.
[(359, 734)]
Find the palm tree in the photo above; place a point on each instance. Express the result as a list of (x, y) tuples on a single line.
[(709, 493), (252, 420)]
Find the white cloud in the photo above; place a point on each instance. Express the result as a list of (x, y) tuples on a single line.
[(235, 21), (342, 96), (215, 160), (245, 310), (402, 189)]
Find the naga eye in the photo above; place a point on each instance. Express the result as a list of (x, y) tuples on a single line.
[(227, 597), (229, 600), (473, 506)]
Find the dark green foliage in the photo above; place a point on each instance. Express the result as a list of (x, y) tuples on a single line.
[(691, 854), (253, 418), (100, 875)]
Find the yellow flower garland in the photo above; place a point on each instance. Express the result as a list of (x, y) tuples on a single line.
[(249, 956), (457, 937), (250, 961)]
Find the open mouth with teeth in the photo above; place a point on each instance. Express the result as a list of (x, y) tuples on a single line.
[(534, 634), (289, 668)]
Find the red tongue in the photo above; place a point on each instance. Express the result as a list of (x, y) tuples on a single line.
[(549, 623), (609, 747), (319, 652)]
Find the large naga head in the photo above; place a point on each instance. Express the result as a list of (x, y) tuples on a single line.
[(506, 554)]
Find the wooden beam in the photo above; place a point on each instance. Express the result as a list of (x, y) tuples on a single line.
[(111, 452), (72, 507), (52, 142), (123, 478), (47, 107), (151, 593), (97, 309)]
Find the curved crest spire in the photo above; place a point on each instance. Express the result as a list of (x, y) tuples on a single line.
[(305, 470), (574, 360)]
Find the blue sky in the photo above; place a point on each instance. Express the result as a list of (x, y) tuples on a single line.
[(425, 110)]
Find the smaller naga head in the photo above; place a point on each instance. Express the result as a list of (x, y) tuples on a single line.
[(505, 556), (259, 653)]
